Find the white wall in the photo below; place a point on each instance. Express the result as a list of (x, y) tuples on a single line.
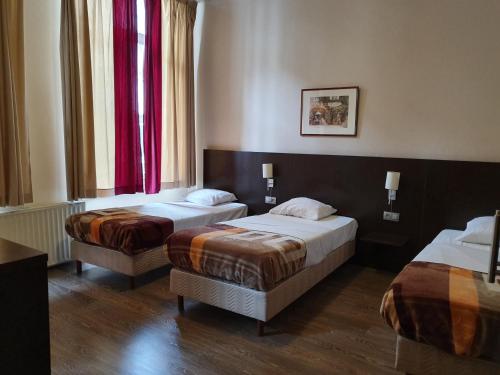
[(43, 99), (428, 72)]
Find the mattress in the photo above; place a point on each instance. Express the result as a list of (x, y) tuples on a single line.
[(187, 214), (445, 249), (449, 236), (320, 236), (133, 230), (260, 251), (442, 299)]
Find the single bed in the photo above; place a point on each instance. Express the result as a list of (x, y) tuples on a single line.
[(131, 240), (445, 312), (256, 266)]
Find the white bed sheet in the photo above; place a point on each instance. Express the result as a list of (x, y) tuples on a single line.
[(187, 215), (446, 249), (449, 236), (321, 237)]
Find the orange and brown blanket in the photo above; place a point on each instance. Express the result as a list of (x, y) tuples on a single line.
[(125, 230), (254, 259), (451, 308)]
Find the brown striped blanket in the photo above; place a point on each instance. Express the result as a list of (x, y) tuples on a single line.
[(125, 230), (254, 259), (451, 308)]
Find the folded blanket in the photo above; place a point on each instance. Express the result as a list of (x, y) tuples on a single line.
[(125, 230), (254, 259), (451, 308)]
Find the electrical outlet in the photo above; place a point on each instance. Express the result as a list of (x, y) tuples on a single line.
[(391, 216), (270, 200)]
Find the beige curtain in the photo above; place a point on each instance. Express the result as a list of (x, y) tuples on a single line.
[(15, 173), (101, 51), (178, 132), (77, 100)]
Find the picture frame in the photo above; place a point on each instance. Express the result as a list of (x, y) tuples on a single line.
[(329, 111)]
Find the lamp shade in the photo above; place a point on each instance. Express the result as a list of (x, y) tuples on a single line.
[(267, 170), (392, 181)]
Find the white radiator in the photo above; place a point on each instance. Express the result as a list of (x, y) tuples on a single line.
[(41, 227)]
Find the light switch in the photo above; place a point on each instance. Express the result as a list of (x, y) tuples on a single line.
[(270, 200), (391, 216)]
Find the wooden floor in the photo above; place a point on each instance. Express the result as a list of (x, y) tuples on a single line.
[(100, 327)]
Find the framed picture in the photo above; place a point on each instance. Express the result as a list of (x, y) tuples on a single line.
[(330, 111)]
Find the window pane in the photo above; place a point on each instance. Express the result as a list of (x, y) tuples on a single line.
[(141, 30), (140, 78), (141, 17)]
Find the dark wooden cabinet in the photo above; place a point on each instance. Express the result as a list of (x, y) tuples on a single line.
[(24, 310), (382, 250)]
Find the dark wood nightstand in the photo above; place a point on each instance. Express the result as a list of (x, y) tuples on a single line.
[(387, 239), (383, 250)]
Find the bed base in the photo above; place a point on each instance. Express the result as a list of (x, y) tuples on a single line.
[(417, 358), (180, 306), (113, 260), (256, 304), (79, 267)]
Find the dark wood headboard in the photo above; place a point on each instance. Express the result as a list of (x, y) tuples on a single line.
[(432, 194)]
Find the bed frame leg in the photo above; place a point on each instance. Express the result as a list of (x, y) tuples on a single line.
[(78, 267), (260, 328), (131, 282), (180, 303)]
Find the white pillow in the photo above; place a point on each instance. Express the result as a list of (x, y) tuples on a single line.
[(305, 208), (210, 197), (479, 230)]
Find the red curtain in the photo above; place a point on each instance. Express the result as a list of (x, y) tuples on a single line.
[(128, 165), (152, 97)]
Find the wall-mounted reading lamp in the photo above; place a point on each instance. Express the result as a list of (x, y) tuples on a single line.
[(267, 172), (392, 185)]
